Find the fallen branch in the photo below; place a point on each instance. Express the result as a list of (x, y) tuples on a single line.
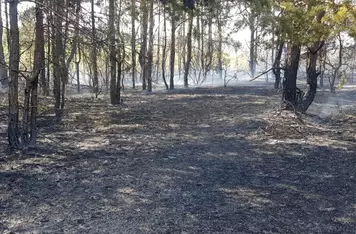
[(280, 68)]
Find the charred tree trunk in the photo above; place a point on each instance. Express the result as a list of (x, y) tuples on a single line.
[(77, 67), (37, 68), (164, 50), (220, 65), (133, 43), (143, 51), (252, 62), (173, 49), (112, 50), (94, 52), (312, 77), (189, 48), (277, 65), (13, 128), (150, 50), (290, 96), (49, 50)]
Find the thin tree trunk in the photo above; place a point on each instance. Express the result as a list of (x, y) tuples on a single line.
[(49, 44), (164, 48), (158, 41), (4, 79), (133, 43), (252, 45), (143, 51), (120, 53), (150, 50), (94, 52), (220, 65), (189, 48), (77, 67), (277, 64), (173, 49)]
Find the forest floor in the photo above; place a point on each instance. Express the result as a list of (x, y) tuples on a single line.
[(205, 160)]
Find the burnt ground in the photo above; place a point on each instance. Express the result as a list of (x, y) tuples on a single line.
[(189, 161)]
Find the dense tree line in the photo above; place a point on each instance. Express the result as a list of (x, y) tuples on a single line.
[(153, 41)]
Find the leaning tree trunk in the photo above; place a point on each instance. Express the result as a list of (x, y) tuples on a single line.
[(290, 83), (277, 65), (312, 77)]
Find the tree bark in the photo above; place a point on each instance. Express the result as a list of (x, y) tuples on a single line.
[(220, 65), (13, 130), (252, 60), (150, 50), (312, 77), (4, 79), (189, 48), (173, 49), (164, 50), (94, 52), (113, 87), (143, 51), (290, 82), (277, 64), (133, 43)]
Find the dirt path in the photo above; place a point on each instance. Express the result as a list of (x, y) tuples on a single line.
[(197, 161)]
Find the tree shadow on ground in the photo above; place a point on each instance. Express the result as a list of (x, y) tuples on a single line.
[(195, 169)]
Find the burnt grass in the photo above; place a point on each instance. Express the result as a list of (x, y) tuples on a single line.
[(189, 161)]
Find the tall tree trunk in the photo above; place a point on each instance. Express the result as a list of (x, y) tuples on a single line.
[(49, 50), (4, 79), (13, 130), (37, 67), (94, 52), (209, 54), (133, 42), (173, 49), (290, 83), (220, 65), (120, 53), (252, 60), (277, 64), (158, 42), (150, 50), (189, 48), (113, 87), (164, 50), (56, 58), (202, 57), (143, 51)]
